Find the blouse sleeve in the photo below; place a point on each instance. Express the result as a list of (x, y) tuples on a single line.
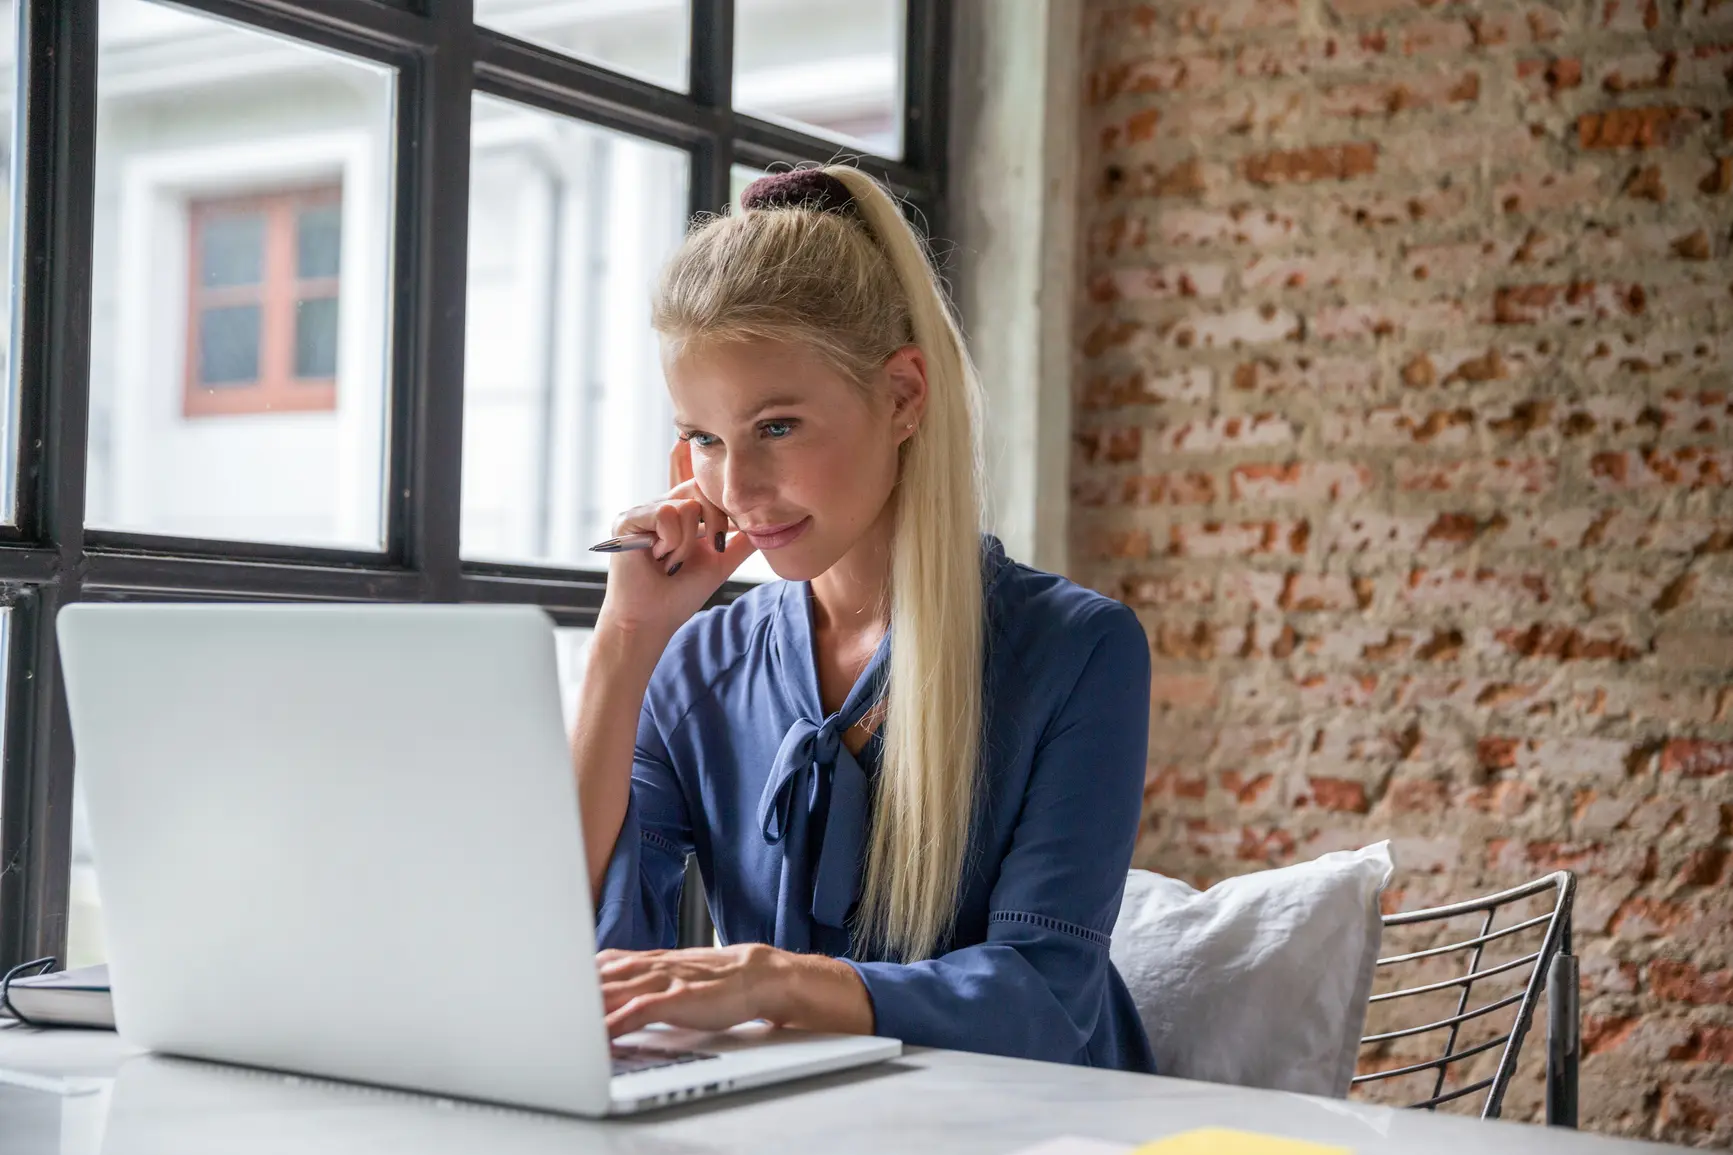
[(1035, 988), (638, 907)]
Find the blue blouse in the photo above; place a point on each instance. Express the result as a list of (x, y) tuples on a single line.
[(737, 761)]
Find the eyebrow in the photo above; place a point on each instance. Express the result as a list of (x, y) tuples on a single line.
[(770, 403), (767, 404)]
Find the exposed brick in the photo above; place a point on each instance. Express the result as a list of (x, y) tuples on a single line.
[(1215, 434), (1692, 758), (1374, 9), (1242, 113), (1253, 325), (1389, 97), (1137, 128), (1302, 166), (1117, 544), (1143, 77), (1434, 37), (1157, 282), (1181, 487), (1339, 794), (1386, 320), (1689, 467), (1183, 179), (1709, 1044), (1367, 212), (1535, 192), (1307, 482), (1484, 589), (1684, 983), (1310, 272), (1305, 376), (1574, 303), (1368, 532), (1499, 475), (1629, 15), (1476, 591), (1393, 427), (1646, 183), (1648, 70), (1157, 590), (1657, 126), (1240, 225), (1241, 539), (1222, 16), (1547, 76), (1183, 691), (1190, 385), (1719, 178), (1111, 446)]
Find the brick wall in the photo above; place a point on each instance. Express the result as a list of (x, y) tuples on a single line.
[(1403, 418)]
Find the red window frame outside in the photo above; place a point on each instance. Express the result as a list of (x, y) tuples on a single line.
[(277, 389)]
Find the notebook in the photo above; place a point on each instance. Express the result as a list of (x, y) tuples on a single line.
[(74, 998)]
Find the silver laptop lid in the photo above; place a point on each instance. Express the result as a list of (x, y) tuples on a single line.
[(342, 840)]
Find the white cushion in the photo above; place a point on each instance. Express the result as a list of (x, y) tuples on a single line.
[(1261, 980)]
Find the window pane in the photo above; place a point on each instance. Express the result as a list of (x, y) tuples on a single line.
[(85, 945), (831, 67), (9, 397), (571, 655), (739, 176), (316, 339), (565, 417), (194, 111), (318, 232), (231, 250), (229, 345), (645, 38)]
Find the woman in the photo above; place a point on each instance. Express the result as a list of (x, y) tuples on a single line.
[(912, 771)]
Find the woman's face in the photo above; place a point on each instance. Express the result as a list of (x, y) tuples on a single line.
[(799, 458)]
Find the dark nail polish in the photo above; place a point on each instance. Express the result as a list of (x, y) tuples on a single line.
[(721, 542), (675, 568)]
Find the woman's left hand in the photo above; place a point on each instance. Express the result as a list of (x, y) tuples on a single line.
[(708, 989)]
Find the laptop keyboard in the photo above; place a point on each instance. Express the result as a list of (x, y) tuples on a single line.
[(631, 1060)]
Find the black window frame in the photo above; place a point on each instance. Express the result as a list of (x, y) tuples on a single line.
[(49, 558)]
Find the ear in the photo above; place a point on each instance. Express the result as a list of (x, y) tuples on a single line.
[(906, 381)]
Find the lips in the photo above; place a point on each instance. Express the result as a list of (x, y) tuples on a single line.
[(777, 536)]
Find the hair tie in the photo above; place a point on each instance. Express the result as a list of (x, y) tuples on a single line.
[(801, 188)]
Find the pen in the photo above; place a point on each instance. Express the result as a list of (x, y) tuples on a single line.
[(624, 542)]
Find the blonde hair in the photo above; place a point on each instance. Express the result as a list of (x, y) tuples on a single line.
[(855, 290)]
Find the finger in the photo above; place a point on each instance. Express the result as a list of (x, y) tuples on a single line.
[(668, 531), (690, 512), (638, 519), (715, 523), (617, 994), (641, 1012), (740, 548), (621, 962)]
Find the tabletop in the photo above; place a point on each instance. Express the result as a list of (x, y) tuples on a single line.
[(84, 1092)]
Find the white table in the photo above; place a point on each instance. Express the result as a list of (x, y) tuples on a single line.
[(79, 1093)]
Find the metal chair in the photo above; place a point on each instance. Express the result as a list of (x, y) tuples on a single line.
[(1553, 965)]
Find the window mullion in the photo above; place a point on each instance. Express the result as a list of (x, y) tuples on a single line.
[(57, 59), (432, 238)]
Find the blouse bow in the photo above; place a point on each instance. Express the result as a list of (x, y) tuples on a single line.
[(816, 786)]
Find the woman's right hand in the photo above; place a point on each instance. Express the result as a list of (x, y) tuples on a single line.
[(654, 591)]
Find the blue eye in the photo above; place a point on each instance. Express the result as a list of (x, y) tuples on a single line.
[(777, 430), (701, 440)]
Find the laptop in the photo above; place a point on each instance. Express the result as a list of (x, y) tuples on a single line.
[(343, 840)]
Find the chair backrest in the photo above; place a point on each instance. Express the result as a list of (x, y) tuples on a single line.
[(1552, 928)]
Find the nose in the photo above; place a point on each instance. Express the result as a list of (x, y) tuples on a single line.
[(746, 481)]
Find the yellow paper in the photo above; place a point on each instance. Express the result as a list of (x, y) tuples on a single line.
[(1221, 1141)]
